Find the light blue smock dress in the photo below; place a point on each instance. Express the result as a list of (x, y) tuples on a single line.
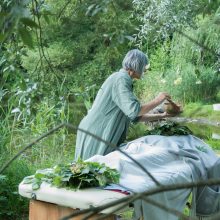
[(114, 107)]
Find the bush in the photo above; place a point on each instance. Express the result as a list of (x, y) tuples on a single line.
[(12, 206)]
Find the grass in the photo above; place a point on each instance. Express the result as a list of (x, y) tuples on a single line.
[(54, 149), (127, 215), (136, 130), (205, 132), (13, 206), (200, 110)]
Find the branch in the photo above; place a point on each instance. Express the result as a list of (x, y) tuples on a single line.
[(87, 132), (196, 42), (194, 120), (128, 199), (104, 216), (118, 149), (171, 210), (39, 38), (153, 21), (153, 191), (64, 7)]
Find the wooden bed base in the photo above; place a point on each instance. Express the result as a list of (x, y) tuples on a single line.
[(39, 210)]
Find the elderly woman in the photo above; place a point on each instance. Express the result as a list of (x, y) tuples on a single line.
[(115, 106)]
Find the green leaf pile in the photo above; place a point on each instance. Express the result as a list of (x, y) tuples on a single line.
[(169, 129), (75, 176)]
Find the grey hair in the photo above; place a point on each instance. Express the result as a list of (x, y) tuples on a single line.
[(135, 60)]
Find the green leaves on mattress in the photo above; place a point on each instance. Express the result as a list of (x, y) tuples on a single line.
[(75, 176), (168, 129)]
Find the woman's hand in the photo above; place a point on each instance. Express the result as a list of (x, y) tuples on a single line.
[(155, 117), (163, 96), (167, 115), (154, 103)]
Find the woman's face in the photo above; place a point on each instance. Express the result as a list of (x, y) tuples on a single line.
[(137, 75), (133, 74)]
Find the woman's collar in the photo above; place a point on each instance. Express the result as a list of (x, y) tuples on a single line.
[(125, 71)]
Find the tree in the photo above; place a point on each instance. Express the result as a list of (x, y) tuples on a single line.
[(161, 18)]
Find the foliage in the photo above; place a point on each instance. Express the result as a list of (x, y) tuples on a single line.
[(3, 197), (75, 176), (54, 55), (82, 47), (201, 110), (17, 24), (184, 69), (18, 20), (160, 19), (136, 130), (215, 144), (206, 132), (168, 129), (184, 83), (11, 205)]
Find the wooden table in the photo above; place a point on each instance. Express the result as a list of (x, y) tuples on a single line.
[(39, 210)]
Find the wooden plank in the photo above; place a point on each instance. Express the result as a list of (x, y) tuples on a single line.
[(39, 210)]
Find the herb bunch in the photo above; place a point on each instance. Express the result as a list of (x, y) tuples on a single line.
[(169, 129), (75, 176)]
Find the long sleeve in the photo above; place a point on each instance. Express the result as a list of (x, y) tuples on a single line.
[(124, 98)]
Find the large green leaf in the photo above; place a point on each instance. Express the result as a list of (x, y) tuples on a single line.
[(25, 36), (2, 37), (3, 14), (46, 18), (79, 175), (28, 22)]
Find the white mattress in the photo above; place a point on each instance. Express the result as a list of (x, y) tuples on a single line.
[(82, 199)]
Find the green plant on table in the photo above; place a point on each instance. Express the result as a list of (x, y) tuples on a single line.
[(75, 176), (168, 129)]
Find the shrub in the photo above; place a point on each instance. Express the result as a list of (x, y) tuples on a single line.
[(12, 206)]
